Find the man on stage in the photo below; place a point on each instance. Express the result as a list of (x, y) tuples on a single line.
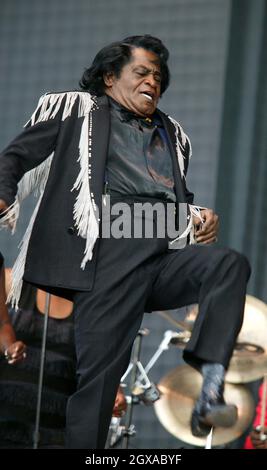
[(110, 144)]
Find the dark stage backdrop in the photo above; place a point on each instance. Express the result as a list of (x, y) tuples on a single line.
[(217, 92)]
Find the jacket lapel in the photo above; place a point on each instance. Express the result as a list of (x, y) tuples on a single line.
[(170, 131), (100, 141)]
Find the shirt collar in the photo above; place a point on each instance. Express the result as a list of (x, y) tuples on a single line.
[(126, 116)]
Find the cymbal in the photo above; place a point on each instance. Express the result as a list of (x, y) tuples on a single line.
[(186, 324), (249, 360), (180, 389)]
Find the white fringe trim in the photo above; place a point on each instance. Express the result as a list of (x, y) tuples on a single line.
[(33, 180), (19, 266), (181, 140), (50, 104), (85, 210), (195, 211)]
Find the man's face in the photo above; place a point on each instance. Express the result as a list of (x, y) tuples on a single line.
[(138, 87)]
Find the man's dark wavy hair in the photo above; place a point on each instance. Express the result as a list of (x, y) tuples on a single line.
[(115, 56)]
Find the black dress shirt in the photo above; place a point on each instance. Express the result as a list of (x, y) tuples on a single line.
[(139, 160)]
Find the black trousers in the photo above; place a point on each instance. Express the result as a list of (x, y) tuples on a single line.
[(133, 276)]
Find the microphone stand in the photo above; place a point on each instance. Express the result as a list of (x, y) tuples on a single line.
[(36, 435)]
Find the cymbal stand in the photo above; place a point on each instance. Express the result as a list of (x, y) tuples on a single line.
[(36, 435), (263, 409), (134, 367), (209, 439), (164, 345), (141, 388)]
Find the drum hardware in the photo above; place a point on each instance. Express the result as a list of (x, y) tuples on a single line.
[(117, 431), (248, 363), (247, 348), (141, 390), (133, 368), (263, 436), (180, 389), (249, 359), (174, 410), (208, 444), (147, 396), (142, 382), (180, 339), (186, 324), (168, 337)]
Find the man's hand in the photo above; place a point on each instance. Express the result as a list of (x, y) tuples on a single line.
[(256, 440), (3, 206), (16, 352), (207, 232), (10, 221), (120, 404)]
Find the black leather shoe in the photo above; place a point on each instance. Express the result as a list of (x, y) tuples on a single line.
[(209, 413)]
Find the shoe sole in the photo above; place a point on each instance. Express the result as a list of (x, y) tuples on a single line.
[(222, 416), (198, 428)]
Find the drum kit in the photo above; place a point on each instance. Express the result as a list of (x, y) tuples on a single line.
[(179, 388)]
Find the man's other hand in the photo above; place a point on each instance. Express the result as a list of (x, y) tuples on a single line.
[(16, 352), (3, 206), (207, 231), (10, 222), (120, 404)]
